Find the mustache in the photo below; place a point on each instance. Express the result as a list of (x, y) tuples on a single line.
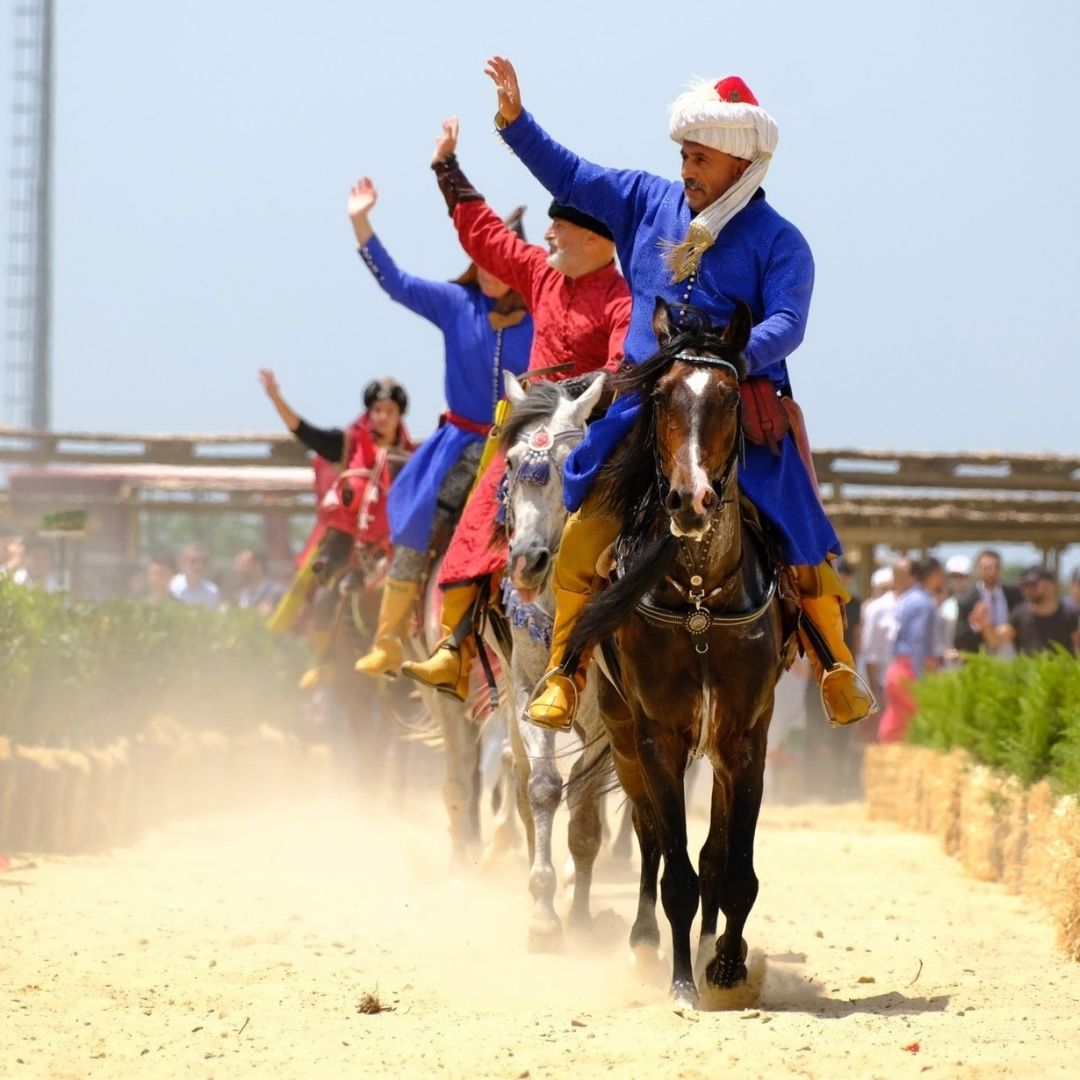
[(694, 185)]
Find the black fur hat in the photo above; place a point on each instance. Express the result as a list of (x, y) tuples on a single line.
[(386, 390)]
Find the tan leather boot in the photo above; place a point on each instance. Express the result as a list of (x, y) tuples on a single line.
[(447, 669), (845, 696), (586, 536), (386, 654), (320, 673)]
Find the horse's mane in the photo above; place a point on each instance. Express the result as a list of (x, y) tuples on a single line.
[(626, 486), (541, 401)]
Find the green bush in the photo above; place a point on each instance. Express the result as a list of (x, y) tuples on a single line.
[(76, 673), (1021, 716)]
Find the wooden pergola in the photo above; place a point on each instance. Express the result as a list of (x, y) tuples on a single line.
[(905, 499)]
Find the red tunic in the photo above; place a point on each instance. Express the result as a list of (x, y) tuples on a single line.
[(367, 477), (581, 321)]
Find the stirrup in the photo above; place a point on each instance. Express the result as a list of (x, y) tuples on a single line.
[(538, 689), (860, 684)]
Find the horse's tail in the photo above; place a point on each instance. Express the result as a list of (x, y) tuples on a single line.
[(611, 607)]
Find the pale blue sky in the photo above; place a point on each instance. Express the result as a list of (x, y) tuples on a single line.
[(204, 151)]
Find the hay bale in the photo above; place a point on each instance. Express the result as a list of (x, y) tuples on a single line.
[(882, 768), (69, 826), (945, 776), (1013, 835), (7, 792), (1039, 870), (1069, 879), (980, 799), (38, 796)]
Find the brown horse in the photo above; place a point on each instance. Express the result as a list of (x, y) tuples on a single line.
[(699, 631)]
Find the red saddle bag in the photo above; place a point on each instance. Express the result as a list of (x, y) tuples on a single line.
[(767, 418), (765, 421)]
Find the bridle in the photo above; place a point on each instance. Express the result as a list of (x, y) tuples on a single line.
[(723, 482), (696, 618), (535, 468)]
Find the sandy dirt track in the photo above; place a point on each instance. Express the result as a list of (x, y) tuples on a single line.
[(243, 944)]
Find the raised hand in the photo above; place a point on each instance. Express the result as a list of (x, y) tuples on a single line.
[(362, 200), (446, 143), (269, 383), (501, 72)]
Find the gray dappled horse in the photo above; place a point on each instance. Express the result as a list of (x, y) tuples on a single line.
[(546, 423)]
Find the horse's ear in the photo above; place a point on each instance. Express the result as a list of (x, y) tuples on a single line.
[(737, 332), (587, 402), (662, 323), (514, 394)]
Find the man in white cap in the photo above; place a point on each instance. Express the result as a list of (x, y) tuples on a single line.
[(957, 582), (707, 241)]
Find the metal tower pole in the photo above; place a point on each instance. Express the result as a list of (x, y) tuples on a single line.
[(41, 395), (27, 382)]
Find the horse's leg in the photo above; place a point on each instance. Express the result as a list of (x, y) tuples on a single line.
[(619, 722), (459, 780), (585, 834), (737, 884), (622, 846), (662, 758), (521, 778), (711, 866), (545, 794)]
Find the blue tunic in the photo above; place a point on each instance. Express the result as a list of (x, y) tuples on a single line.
[(758, 257), (476, 356)]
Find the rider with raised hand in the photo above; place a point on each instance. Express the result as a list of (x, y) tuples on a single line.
[(486, 331), (668, 236), (352, 482), (581, 309)]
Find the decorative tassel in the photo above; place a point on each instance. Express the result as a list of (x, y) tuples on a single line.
[(683, 259), (535, 468)]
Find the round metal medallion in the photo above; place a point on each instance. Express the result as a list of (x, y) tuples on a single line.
[(697, 622)]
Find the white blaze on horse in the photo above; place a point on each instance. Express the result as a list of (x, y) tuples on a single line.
[(546, 423)]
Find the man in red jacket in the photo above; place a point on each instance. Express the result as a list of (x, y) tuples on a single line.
[(581, 310)]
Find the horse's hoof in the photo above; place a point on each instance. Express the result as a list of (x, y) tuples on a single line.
[(684, 993), (579, 923), (647, 965), (545, 937), (725, 973)]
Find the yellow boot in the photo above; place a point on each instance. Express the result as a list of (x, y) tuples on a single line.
[(320, 673), (845, 697), (447, 669), (386, 654), (587, 534)]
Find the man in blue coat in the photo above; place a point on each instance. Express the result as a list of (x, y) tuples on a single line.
[(708, 240)]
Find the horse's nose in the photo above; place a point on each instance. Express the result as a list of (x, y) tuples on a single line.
[(530, 566), (673, 504), (700, 501), (704, 499), (689, 510)]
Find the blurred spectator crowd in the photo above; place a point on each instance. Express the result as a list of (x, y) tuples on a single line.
[(163, 578)]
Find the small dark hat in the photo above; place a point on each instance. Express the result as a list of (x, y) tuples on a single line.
[(386, 390), (576, 217)]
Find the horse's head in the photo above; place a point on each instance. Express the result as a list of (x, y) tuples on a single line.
[(695, 400), (546, 423)]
